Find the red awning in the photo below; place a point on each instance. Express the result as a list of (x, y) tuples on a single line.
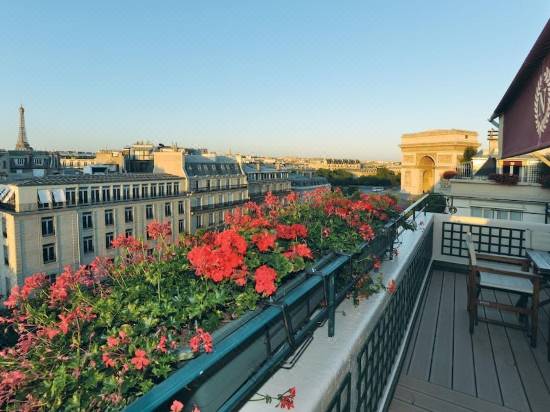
[(524, 111)]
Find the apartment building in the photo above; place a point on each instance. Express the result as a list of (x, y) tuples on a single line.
[(263, 178), (54, 221), (215, 184)]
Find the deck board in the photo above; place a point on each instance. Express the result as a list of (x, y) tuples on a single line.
[(423, 351), (447, 369), (442, 359)]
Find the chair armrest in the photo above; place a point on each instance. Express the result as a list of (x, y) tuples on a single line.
[(514, 273)]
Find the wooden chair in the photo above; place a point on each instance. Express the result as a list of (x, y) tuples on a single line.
[(522, 283)]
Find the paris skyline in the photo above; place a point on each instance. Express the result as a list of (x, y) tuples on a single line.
[(314, 79)]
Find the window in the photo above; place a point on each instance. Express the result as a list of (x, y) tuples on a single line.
[(83, 195), (70, 196), (6, 256), (47, 226), (109, 220), (109, 236), (476, 211), (48, 253), (128, 214), (195, 185), (211, 220), (95, 194), (116, 193), (87, 220), (516, 215), (198, 221), (180, 207), (135, 192), (4, 227), (181, 226), (167, 209), (125, 192), (153, 190), (501, 214), (128, 232), (144, 191), (488, 213), (88, 244), (149, 211), (176, 188), (51, 277), (106, 192), (169, 189), (161, 189)]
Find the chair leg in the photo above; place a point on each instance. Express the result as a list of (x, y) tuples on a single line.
[(534, 317)]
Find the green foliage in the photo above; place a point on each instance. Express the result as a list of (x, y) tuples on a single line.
[(384, 177), (469, 153)]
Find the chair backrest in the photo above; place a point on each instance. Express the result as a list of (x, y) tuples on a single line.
[(471, 249)]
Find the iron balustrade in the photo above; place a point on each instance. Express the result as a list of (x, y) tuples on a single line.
[(217, 188), (487, 239), (377, 357), (341, 402), (215, 206)]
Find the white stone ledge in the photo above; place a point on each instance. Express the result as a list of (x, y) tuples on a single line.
[(323, 366)]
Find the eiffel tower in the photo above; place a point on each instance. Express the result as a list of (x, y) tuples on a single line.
[(22, 143)]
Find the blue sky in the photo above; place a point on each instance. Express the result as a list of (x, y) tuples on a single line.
[(313, 78)]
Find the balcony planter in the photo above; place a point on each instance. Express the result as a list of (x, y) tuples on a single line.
[(247, 349), (504, 179)]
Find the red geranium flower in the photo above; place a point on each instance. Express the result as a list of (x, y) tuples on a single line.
[(264, 241), (265, 280), (140, 360)]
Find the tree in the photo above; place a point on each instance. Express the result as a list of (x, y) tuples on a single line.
[(468, 154)]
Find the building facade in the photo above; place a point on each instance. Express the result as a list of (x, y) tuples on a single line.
[(215, 184), (263, 178), (48, 223), (427, 155)]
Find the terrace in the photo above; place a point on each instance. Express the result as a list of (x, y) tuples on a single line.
[(412, 351)]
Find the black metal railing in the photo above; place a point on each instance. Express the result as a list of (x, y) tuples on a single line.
[(341, 402), (379, 352), (217, 188), (487, 239), (215, 206)]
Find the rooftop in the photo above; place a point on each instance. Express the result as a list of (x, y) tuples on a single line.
[(88, 179)]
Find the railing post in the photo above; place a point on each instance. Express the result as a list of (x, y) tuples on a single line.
[(331, 305)]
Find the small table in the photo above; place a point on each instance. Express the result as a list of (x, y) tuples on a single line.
[(541, 261)]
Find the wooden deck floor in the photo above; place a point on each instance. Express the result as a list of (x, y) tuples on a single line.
[(447, 369)]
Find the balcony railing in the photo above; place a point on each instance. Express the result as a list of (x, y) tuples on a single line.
[(526, 174), (216, 206), (217, 188)]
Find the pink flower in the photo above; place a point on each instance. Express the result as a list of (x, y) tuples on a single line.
[(201, 338), (264, 241), (176, 406), (392, 287), (140, 360), (162, 345), (112, 341), (110, 363)]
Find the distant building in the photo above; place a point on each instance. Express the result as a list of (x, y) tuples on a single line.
[(427, 155), (76, 160), (216, 184), (54, 221), (335, 164), (306, 182), (263, 178)]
